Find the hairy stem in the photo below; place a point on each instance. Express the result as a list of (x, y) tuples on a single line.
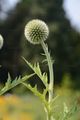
[(50, 64), (51, 83)]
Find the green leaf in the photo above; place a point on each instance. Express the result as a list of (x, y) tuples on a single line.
[(69, 112), (65, 108), (10, 84), (37, 70), (37, 93)]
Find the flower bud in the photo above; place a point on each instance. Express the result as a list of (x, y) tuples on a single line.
[(1, 41), (36, 31)]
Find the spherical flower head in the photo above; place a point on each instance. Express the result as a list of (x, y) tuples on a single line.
[(1, 41), (36, 31)]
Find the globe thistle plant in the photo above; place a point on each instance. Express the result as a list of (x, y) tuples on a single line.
[(1, 41), (36, 31)]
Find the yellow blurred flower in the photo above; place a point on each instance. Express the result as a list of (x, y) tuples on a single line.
[(2, 100), (11, 108)]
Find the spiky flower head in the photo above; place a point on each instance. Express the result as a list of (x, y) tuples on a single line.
[(1, 41), (36, 31)]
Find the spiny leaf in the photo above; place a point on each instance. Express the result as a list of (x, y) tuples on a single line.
[(43, 54), (7, 84), (65, 112), (37, 93), (10, 84), (34, 90), (37, 70), (45, 77), (52, 103), (45, 60), (71, 111), (45, 91), (65, 108), (53, 100)]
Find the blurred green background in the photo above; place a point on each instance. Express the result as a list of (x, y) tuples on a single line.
[(64, 46)]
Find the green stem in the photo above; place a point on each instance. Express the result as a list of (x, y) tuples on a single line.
[(50, 64), (48, 115), (46, 111), (51, 73)]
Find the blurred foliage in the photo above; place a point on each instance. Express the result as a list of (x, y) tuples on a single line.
[(64, 42), (20, 108), (30, 107), (13, 108)]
